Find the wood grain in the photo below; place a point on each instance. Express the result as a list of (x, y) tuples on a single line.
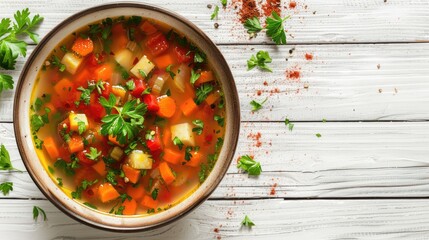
[(312, 21), (348, 160), (342, 82), (274, 219)]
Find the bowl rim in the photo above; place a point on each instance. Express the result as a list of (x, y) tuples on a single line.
[(234, 108)]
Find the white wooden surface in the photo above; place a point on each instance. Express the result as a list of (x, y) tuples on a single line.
[(360, 180)]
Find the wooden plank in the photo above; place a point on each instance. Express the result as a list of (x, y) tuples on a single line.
[(348, 160), (275, 219), (342, 82), (312, 21)]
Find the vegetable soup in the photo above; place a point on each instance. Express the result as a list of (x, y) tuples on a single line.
[(127, 116)]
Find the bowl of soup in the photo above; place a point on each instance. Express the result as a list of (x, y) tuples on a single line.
[(126, 116)]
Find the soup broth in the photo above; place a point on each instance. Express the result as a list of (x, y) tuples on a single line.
[(127, 116)]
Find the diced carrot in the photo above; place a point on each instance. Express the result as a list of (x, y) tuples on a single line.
[(188, 107), (149, 202), (148, 28), (163, 61), (100, 168), (114, 140), (121, 40), (166, 173), (107, 192), (167, 107), (166, 137), (135, 192), (172, 156), (206, 76), (82, 78), (212, 98), (104, 72), (130, 207), (195, 160), (131, 173), (83, 46), (63, 87), (75, 144), (51, 148)]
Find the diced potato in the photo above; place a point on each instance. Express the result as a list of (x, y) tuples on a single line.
[(75, 119), (72, 62), (116, 153), (125, 58), (184, 132), (183, 75), (144, 65), (157, 83), (140, 160)]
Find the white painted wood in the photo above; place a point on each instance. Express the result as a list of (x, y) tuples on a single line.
[(349, 160), (274, 219), (312, 21), (343, 83)]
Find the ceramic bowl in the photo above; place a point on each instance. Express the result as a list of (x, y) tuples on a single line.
[(23, 134)]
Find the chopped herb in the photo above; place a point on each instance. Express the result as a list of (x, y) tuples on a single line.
[(124, 197), (6, 187), (111, 177), (215, 13), (275, 28), (93, 153), (202, 174), (6, 82), (143, 73), (318, 135), (253, 25), (199, 126), (51, 170), (194, 76), (219, 144), (83, 186), (150, 135), (223, 2), (151, 210), (120, 210), (63, 48), (324, 120), (168, 92), (90, 205), (60, 182), (247, 222), (154, 193), (85, 96), (124, 73), (130, 85), (68, 168), (220, 120), (178, 142), (99, 85), (38, 104), (202, 92), (168, 69), (146, 91), (5, 163), (256, 105), (55, 61), (249, 165), (81, 127), (289, 124), (39, 211), (37, 122), (188, 154), (199, 56), (261, 60)]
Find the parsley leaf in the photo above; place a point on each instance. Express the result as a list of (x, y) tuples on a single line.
[(318, 135), (220, 120), (90, 205), (39, 211), (93, 153), (67, 167), (224, 2), (202, 93), (249, 165), (256, 105), (5, 163), (6, 187), (247, 222), (261, 60), (215, 13), (178, 142), (275, 28), (85, 96), (188, 154), (289, 124), (194, 76), (168, 69), (154, 193), (57, 62), (6, 82), (253, 25), (199, 128)]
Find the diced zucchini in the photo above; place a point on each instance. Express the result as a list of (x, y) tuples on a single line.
[(183, 75), (144, 65), (125, 58), (75, 119), (72, 62), (116, 153), (158, 83), (140, 160), (184, 132)]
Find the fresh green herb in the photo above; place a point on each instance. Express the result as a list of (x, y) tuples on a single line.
[(219, 144), (81, 127), (146, 91), (126, 124), (318, 135), (120, 210), (90, 205), (85, 96), (247, 222), (215, 13), (124, 197), (188, 154), (111, 177), (84, 185), (55, 61), (36, 122), (253, 25), (130, 85), (202, 174), (68, 168), (143, 73), (10, 46), (37, 104), (202, 92), (51, 170), (6, 187), (223, 2), (256, 105), (60, 182), (199, 57), (150, 135), (261, 60), (150, 211), (63, 48), (220, 120), (124, 73), (275, 28), (5, 163), (168, 92), (99, 85), (155, 193), (39, 211), (324, 120), (289, 124), (194, 76), (168, 69), (199, 126), (93, 153), (178, 142), (249, 165)]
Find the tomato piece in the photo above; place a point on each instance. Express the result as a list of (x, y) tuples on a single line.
[(183, 55), (164, 195), (83, 159), (151, 102), (95, 111), (209, 138), (154, 144), (92, 59), (106, 91), (157, 44), (140, 86)]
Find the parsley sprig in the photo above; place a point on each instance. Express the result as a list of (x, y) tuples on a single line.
[(257, 105), (126, 123), (249, 165), (273, 25), (247, 222), (6, 187), (260, 60), (38, 211)]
